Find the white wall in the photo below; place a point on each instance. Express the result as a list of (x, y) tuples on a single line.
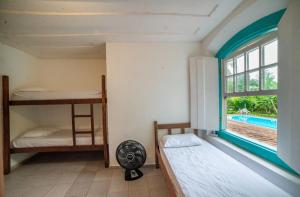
[(146, 82), (19, 66), (55, 74), (68, 74)]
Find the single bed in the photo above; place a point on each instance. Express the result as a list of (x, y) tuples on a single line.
[(207, 171)]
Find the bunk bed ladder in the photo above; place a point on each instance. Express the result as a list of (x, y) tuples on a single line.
[(91, 116)]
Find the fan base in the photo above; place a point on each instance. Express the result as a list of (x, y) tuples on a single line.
[(131, 175)]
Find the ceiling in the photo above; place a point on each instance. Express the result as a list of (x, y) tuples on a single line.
[(80, 28)]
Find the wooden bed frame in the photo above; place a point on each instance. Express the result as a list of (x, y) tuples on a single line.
[(158, 158), (7, 149)]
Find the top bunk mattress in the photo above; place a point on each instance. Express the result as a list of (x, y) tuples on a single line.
[(207, 171), (54, 95)]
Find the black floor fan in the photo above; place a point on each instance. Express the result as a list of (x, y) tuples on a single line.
[(131, 155)]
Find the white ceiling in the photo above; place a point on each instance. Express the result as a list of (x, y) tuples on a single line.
[(80, 28)]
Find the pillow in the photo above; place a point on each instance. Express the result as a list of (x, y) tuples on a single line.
[(181, 140), (40, 132)]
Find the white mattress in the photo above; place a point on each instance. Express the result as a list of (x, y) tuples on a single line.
[(59, 138), (54, 95), (207, 171)]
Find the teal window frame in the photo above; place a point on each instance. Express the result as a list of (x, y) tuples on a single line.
[(254, 31)]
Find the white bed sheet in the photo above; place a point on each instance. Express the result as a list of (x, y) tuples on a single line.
[(54, 95), (59, 138), (207, 171)]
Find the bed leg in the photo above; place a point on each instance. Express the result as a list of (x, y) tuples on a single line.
[(106, 157), (6, 164), (156, 144), (156, 161), (6, 126)]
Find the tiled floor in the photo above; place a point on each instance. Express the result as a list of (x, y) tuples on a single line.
[(79, 175), (261, 134)]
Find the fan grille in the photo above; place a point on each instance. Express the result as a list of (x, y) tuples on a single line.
[(131, 155)]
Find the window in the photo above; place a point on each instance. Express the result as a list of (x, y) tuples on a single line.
[(250, 78), (252, 70)]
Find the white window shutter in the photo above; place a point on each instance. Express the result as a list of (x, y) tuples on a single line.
[(288, 145), (204, 93)]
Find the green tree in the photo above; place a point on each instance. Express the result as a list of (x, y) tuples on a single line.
[(257, 105), (270, 82)]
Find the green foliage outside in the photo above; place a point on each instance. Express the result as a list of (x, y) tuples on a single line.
[(265, 106)]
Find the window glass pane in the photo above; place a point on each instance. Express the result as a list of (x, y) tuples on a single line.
[(271, 53), (240, 83), (229, 67), (253, 81), (270, 78), (253, 59), (240, 63), (229, 85)]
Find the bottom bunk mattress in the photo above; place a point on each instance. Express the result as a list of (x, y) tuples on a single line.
[(207, 171), (58, 138)]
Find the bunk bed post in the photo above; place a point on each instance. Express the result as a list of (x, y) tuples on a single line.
[(73, 124), (156, 144), (104, 122), (6, 127)]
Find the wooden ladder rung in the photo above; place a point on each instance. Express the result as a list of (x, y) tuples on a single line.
[(82, 116), (83, 132)]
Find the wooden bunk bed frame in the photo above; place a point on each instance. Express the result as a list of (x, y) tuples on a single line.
[(158, 158), (7, 149)]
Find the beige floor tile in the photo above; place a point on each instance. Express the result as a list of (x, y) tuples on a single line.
[(104, 174), (78, 189), (38, 191), (118, 185), (159, 192), (68, 177), (117, 194), (151, 171), (16, 192), (97, 195), (139, 184), (94, 165), (118, 173), (14, 181), (58, 190), (38, 180), (26, 170), (74, 168), (139, 193), (156, 182), (98, 188), (86, 176)]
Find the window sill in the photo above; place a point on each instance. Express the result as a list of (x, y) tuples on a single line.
[(259, 150)]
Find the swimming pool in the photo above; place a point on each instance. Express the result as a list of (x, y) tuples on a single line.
[(259, 121)]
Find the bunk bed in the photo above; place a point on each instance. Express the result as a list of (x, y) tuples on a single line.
[(60, 141), (202, 169)]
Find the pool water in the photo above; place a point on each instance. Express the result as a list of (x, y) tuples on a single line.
[(259, 121)]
